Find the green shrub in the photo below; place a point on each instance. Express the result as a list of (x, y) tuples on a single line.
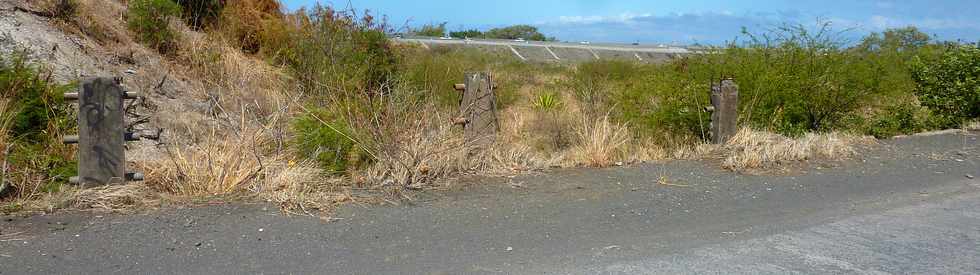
[(901, 119), (950, 86), (325, 138), (527, 32), (34, 117), (431, 30), (471, 33), (150, 20), (336, 53), (549, 106), (433, 72), (793, 81)]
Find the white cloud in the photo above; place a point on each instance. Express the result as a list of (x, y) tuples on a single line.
[(622, 18)]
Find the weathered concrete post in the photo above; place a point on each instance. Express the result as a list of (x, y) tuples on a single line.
[(101, 133), (478, 109), (724, 111)]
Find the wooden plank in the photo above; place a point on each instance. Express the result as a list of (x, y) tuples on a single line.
[(478, 109), (101, 131), (724, 119)]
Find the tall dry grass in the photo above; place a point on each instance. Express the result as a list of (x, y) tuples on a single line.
[(600, 142), (751, 149), (232, 79)]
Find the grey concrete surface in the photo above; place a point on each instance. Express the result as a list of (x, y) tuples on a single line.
[(906, 206), (537, 51)]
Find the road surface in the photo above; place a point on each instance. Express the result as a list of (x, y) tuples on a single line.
[(906, 206), (559, 52), (597, 46)]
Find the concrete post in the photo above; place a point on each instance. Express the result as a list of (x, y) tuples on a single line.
[(724, 111), (478, 109), (101, 133)]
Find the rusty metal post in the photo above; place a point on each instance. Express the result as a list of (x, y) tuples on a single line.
[(101, 133), (724, 111), (478, 109)]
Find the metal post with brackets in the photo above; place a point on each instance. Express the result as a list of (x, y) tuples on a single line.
[(101, 133)]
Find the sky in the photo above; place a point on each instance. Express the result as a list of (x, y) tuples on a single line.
[(677, 21)]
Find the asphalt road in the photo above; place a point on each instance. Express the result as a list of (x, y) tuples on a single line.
[(907, 206), (591, 46)]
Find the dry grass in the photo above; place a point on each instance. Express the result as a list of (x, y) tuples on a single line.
[(423, 156), (113, 198), (6, 118), (100, 20), (222, 165), (232, 79), (600, 142), (750, 149), (972, 126)]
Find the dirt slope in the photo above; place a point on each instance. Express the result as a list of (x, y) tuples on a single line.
[(71, 54)]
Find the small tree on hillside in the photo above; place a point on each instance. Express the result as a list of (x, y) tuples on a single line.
[(433, 30), (518, 31)]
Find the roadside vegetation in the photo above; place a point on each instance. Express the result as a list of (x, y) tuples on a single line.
[(317, 107), (526, 32)]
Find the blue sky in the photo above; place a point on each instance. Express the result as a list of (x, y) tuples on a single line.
[(683, 22)]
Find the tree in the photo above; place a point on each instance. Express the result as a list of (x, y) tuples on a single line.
[(950, 86), (900, 40), (473, 33), (518, 31), (433, 30)]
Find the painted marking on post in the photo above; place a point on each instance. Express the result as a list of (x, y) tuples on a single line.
[(101, 132), (512, 49), (552, 53)]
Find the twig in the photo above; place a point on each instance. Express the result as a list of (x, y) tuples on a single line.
[(3, 171)]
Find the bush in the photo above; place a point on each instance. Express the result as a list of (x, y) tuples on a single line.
[(901, 119), (431, 30), (202, 13), (335, 52), (150, 20), (950, 86), (64, 10), (801, 81), (472, 33), (251, 23), (517, 31), (33, 117), (327, 139)]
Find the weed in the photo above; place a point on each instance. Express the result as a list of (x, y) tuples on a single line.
[(33, 119), (150, 20), (750, 149), (201, 13), (326, 138), (600, 142)]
